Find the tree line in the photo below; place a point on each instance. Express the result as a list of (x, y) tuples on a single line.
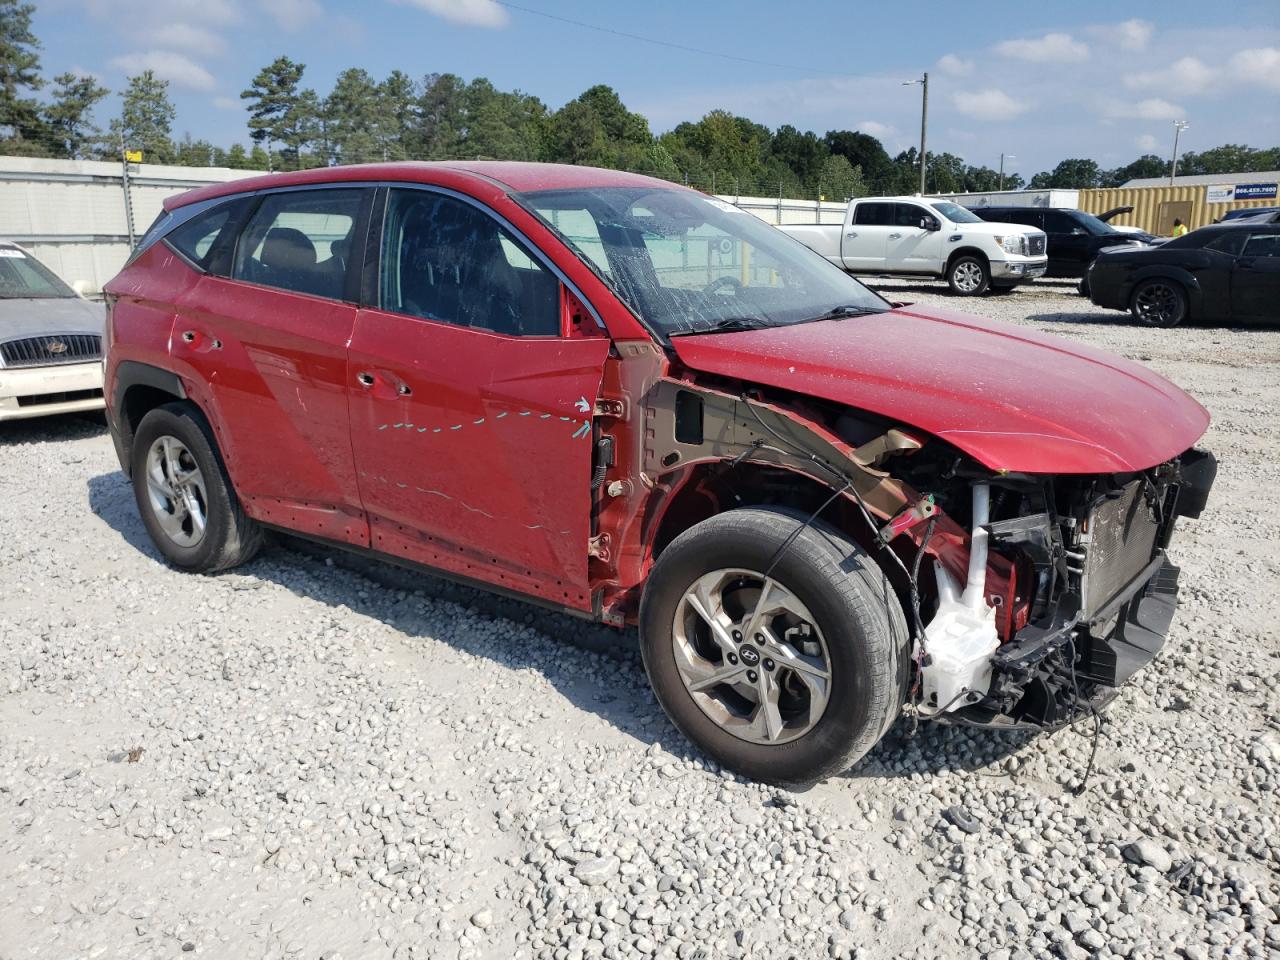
[(442, 116)]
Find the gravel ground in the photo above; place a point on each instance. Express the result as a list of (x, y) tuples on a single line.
[(311, 757)]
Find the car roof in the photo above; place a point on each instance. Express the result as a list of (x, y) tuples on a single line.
[(513, 176)]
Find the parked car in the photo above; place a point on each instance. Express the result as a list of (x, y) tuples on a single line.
[(1251, 214), (1075, 237), (1228, 273), (639, 404), (50, 341), (930, 238)]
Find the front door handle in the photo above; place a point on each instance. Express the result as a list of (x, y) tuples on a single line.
[(895, 236), (850, 235), (365, 379)]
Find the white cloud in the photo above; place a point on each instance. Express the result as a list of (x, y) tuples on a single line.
[(1132, 34), (293, 14), (183, 36), (955, 66), (1146, 142), (472, 13), (1187, 75), (174, 67), (1150, 109), (1051, 48), (1260, 66), (226, 103), (876, 129), (990, 104)]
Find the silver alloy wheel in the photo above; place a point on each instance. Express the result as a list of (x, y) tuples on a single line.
[(175, 489), (1157, 304), (751, 656), (967, 276)]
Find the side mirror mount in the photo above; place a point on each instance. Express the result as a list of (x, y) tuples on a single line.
[(79, 286)]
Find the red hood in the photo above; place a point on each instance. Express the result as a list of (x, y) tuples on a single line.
[(1012, 398)]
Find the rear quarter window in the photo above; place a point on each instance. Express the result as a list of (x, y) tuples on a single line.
[(202, 239)]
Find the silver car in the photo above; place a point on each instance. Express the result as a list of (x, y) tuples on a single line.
[(50, 341)]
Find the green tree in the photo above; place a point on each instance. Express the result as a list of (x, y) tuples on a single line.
[(22, 130), (67, 118), (865, 151), (353, 118), (1073, 174), (441, 116), (1147, 165), (281, 112), (401, 120), (803, 154), (838, 179), (145, 122), (1229, 158)]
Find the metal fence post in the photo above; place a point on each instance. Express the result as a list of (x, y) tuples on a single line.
[(779, 203), (128, 197)]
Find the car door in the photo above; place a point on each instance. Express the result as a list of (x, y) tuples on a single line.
[(866, 236), (264, 346), (910, 247), (1070, 244), (472, 402), (1255, 279)]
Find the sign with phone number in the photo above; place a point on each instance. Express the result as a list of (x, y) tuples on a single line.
[(1226, 192)]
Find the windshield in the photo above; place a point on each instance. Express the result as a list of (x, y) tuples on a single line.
[(22, 278), (688, 263), (956, 213), (1093, 224)]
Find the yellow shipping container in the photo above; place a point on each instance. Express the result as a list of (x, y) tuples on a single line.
[(1154, 208)]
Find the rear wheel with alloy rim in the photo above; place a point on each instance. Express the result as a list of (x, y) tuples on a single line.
[(784, 666), (184, 494), (1159, 303)]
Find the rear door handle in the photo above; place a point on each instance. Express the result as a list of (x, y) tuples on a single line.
[(895, 236), (850, 235), (365, 379), (1245, 263)]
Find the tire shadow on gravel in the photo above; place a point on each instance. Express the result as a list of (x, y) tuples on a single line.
[(623, 698), (1115, 319), (55, 429)]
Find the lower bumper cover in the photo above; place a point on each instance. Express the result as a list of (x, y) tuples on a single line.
[(1050, 677), (1018, 270), (44, 391)]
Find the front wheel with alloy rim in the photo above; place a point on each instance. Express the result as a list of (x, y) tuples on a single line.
[(1159, 303), (184, 495), (969, 276), (779, 649)]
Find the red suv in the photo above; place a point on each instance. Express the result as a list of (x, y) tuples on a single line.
[(638, 404)]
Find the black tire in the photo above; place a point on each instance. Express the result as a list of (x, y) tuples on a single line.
[(230, 537), (969, 275), (854, 607), (1159, 302)]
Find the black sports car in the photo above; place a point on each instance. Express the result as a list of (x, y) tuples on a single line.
[(1226, 273)]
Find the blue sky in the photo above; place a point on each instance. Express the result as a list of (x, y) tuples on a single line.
[(1037, 80)]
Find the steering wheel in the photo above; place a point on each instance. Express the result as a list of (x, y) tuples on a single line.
[(725, 280)]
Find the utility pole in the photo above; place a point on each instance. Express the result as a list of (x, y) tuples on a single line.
[(1178, 127), (924, 123), (1003, 157)]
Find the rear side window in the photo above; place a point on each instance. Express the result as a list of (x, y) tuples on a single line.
[(1055, 221), (300, 240), (873, 214), (1263, 245), (202, 238), (443, 259)]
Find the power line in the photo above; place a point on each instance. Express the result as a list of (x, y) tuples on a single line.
[(681, 46)]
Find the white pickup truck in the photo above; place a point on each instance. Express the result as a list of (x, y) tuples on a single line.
[(933, 238)]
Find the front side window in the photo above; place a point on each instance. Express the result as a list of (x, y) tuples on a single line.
[(909, 215), (1229, 243), (300, 240), (444, 259), (873, 214), (689, 263)]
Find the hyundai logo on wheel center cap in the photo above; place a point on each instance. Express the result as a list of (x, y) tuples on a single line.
[(750, 656)]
